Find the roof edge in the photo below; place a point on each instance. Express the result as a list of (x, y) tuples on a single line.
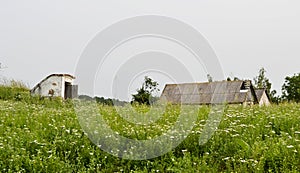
[(57, 74)]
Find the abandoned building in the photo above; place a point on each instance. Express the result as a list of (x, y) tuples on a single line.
[(230, 92), (56, 85), (263, 97)]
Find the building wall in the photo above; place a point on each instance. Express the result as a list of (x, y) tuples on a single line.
[(55, 83), (264, 101), (65, 79)]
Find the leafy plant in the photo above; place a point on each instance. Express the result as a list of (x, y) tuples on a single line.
[(145, 93), (291, 88)]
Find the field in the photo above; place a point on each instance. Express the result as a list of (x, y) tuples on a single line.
[(42, 135)]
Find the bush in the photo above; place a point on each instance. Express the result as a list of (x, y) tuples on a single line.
[(9, 93)]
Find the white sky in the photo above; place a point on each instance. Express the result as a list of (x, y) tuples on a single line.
[(38, 38)]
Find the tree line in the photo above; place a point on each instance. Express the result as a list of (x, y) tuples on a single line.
[(102, 100), (146, 93), (290, 89)]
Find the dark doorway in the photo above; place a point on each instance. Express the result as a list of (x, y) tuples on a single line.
[(70, 90)]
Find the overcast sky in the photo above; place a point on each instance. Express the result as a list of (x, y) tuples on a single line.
[(38, 38)]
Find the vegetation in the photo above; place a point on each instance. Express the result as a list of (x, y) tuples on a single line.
[(12, 89), (234, 79), (103, 101), (209, 78), (291, 88), (40, 134), (261, 81), (145, 94), (43, 135)]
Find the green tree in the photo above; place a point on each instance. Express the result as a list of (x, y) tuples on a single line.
[(145, 94), (234, 79), (209, 78), (291, 88), (261, 81)]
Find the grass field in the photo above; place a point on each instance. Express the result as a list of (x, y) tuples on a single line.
[(41, 135)]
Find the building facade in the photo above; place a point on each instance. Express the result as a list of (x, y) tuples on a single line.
[(56, 85), (262, 97)]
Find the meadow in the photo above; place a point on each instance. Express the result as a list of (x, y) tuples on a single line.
[(44, 135)]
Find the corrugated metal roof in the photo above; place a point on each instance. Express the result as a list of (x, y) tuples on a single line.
[(208, 93)]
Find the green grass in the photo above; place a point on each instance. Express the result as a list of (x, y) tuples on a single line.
[(42, 135)]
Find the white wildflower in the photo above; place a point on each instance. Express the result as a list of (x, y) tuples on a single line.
[(226, 158)]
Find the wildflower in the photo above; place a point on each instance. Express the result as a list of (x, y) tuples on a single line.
[(290, 146), (183, 151), (235, 135), (243, 125), (226, 158)]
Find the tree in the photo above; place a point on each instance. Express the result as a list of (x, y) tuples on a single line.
[(291, 88), (234, 79), (261, 81), (146, 93), (209, 78)]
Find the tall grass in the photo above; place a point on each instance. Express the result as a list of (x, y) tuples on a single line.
[(13, 83), (46, 137), (12, 89), (17, 91)]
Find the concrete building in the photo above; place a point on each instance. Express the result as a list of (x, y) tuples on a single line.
[(56, 85)]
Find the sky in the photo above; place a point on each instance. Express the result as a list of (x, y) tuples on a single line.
[(38, 38)]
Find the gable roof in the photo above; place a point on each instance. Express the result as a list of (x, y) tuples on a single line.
[(209, 92), (259, 93), (51, 75)]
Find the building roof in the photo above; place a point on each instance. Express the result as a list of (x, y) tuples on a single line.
[(65, 75), (51, 75), (259, 93), (209, 92)]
